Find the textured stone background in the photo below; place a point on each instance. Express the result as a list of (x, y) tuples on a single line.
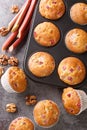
[(66, 122)]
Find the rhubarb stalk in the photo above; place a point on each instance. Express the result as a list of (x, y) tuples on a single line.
[(27, 18), (12, 22), (9, 41), (21, 16), (19, 40)]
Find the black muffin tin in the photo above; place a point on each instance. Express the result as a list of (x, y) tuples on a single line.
[(59, 51)]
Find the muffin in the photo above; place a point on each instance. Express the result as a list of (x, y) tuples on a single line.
[(14, 80), (41, 64), (78, 13), (46, 34), (52, 9), (74, 101), (21, 123), (76, 40), (46, 113), (71, 70)]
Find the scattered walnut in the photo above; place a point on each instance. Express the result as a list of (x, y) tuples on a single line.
[(3, 59), (31, 100), (4, 31), (13, 61), (11, 107), (1, 70), (14, 9)]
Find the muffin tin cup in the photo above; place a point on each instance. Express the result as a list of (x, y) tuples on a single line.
[(83, 99), (59, 51)]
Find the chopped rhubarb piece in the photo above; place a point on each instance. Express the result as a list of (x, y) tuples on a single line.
[(64, 67), (54, 2), (63, 100), (40, 62), (15, 85), (69, 94), (47, 7), (86, 47), (78, 68), (71, 70), (70, 78), (79, 105), (43, 116), (35, 34), (71, 110), (52, 42)]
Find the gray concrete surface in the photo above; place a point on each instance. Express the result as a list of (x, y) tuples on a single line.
[(66, 121)]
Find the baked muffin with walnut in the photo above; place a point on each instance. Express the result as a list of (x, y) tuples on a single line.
[(78, 13), (52, 9), (46, 113), (71, 70), (76, 40), (74, 101), (21, 123), (41, 64), (46, 34), (14, 80)]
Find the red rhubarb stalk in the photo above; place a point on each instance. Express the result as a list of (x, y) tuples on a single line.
[(21, 16), (19, 40), (12, 22), (27, 18), (9, 41)]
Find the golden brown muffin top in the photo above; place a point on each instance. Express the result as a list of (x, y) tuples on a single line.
[(46, 113), (41, 64), (71, 101), (71, 70), (76, 40), (46, 34), (17, 79), (52, 9), (78, 13), (21, 123)]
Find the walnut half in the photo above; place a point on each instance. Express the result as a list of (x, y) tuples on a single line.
[(14, 9), (4, 31), (31, 100), (11, 107), (4, 59), (13, 61)]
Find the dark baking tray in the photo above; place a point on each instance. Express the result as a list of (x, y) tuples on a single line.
[(59, 51)]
